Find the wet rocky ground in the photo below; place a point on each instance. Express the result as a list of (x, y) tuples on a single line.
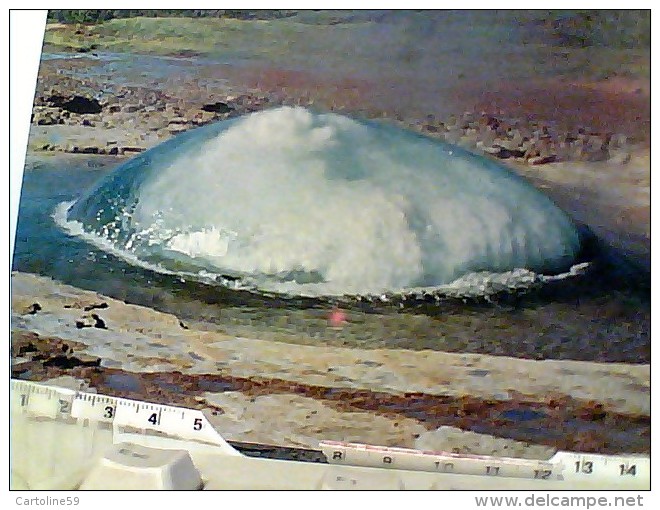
[(259, 391), (149, 115)]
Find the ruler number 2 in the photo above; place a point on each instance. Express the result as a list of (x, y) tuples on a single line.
[(65, 406)]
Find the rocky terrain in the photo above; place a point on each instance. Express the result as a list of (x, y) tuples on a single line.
[(268, 392), (146, 116)]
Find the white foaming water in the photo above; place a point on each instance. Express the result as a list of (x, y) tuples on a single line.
[(320, 204)]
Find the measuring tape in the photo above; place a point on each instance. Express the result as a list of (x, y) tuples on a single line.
[(180, 423), (155, 424), (563, 466)]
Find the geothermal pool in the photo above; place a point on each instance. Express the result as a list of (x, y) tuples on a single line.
[(262, 226), (302, 203)]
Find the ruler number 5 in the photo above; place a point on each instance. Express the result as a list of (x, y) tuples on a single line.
[(197, 424)]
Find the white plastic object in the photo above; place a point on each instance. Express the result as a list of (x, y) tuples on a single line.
[(128, 466)]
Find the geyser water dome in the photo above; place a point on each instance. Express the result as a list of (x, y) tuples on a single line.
[(308, 203)]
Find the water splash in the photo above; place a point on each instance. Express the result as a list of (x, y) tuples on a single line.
[(320, 204)]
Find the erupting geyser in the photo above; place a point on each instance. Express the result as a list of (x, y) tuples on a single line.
[(308, 203)]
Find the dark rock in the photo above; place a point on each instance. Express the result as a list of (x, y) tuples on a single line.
[(95, 306), (63, 361), (506, 153), (218, 107), (24, 349), (98, 322), (76, 104), (542, 160), (34, 308)]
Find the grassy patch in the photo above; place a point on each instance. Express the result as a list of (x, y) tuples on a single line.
[(206, 36)]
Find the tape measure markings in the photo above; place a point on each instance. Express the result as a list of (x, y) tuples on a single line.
[(562, 466), (40, 400), (190, 424)]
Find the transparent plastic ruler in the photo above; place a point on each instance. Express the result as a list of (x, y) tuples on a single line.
[(164, 423), (563, 466), (179, 423)]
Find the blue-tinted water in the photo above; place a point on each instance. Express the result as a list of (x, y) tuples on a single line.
[(588, 320)]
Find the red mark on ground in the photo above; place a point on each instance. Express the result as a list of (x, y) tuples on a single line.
[(337, 317)]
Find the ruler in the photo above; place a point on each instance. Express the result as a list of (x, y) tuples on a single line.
[(179, 423), (563, 466), (84, 424)]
